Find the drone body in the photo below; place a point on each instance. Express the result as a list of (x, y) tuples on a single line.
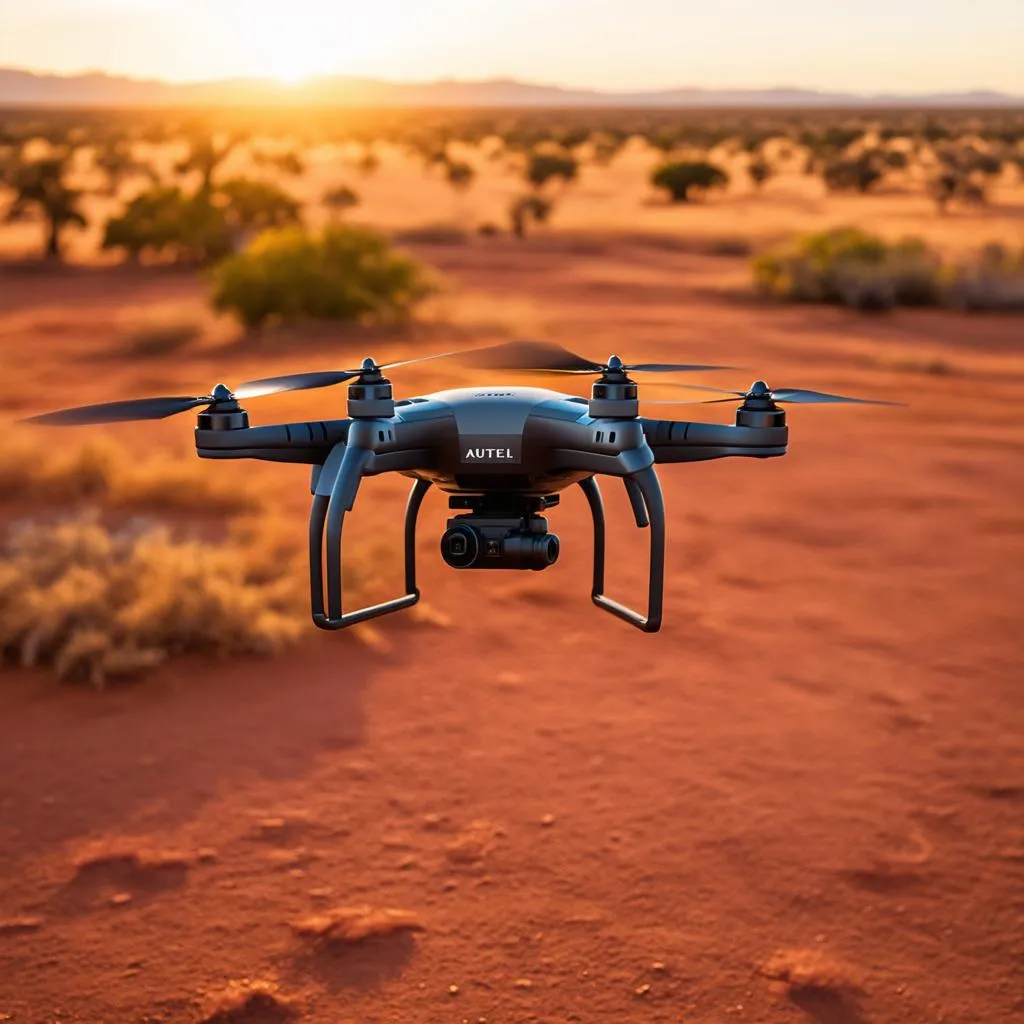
[(503, 455)]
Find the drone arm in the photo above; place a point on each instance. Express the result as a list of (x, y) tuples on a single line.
[(676, 441), (276, 442)]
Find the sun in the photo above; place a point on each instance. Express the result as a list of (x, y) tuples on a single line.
[(289, 50)]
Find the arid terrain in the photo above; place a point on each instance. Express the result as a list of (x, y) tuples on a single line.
[(803, 800)]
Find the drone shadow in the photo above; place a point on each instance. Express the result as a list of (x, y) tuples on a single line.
[(173, 741)]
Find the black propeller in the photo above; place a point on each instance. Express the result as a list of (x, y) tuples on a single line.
[(138, 408), (328, 378), (161, 408), (760, 390), (547, 357)]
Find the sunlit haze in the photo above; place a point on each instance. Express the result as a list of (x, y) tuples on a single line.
[(875, 45)]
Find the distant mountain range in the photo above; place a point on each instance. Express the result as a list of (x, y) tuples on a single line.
[(24, 88)]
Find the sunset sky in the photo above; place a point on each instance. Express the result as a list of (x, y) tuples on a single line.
[(868, 46)]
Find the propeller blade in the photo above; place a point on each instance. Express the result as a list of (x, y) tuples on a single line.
[(673, 367), (420, 359), (318, 378), (530, 355), (809, 397), (119, 412), (294, 382)]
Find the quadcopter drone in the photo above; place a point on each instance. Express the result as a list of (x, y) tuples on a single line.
[(502, 454)]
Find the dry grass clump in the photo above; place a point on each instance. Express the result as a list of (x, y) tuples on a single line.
[(100, 470), (850, 267), (99, 604), (353, 924), (810, 969), (247, 1001)]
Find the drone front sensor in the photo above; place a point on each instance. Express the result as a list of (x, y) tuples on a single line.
[(503, 455)]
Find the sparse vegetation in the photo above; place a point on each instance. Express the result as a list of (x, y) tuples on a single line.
[(527, 209), (683, 179), (96, 603), (342, 273), (101, 471), (854, 268), (40, 187)]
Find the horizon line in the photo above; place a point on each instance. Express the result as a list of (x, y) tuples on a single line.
[(271, 80)]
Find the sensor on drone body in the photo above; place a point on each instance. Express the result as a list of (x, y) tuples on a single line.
[(502, 455)]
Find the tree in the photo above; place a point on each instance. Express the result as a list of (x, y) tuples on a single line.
[(460, 174), (760, 171), (256, 205), (116, 162), (526, 208), (40, 186), (339, 198), (682, 178), (858, 173), (544, 167), (205, 156)]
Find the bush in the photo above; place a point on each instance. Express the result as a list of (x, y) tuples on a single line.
[(851, 267), (340, 197), (527, 208), (853, 174), (166, 223), (544, 167), (995, 282), (682, 178), (344, 273), (97, 604), (33, 469)]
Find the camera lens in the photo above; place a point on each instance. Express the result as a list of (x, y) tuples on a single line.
[(550, 549), (460, 546)]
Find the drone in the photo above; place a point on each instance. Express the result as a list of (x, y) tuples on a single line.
[(502, 454)]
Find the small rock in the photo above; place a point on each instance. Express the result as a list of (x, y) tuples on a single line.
[(523, 983), (641, 990), (548, 820), (119, 899), (406, 863), (658, 966), (207, 855), (453, 990), (432, 822), (450, 886)]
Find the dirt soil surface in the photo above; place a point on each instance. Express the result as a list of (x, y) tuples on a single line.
[(803, 800)]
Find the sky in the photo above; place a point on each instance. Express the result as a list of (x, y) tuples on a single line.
[(912, 46)]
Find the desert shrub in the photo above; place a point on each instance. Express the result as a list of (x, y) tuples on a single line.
[(99, 604), (995, 282), (853, 174), (342, 273), (459, 174), (682, 178), (100, 470), (255, 205), (851, 267), (340, 197), (759, 171), (545, 166), (528, 208), (165, 222)]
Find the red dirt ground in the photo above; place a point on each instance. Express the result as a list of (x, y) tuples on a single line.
[(802, 801)]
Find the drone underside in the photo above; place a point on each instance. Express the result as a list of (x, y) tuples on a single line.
[(502, 454)]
